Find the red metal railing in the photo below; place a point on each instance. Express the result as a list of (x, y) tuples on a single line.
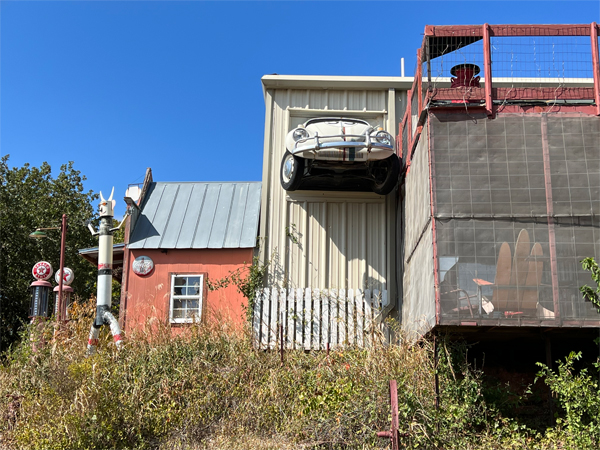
[(444, 40), (555, 52)]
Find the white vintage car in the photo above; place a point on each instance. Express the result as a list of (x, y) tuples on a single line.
[(335, 147)]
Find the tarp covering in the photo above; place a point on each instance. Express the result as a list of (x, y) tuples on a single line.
[(517, 207)]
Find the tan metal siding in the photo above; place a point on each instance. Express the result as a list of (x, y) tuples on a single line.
[(325, 240), (336, 245)]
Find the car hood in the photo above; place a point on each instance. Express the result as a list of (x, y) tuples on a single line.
[(337, 127)]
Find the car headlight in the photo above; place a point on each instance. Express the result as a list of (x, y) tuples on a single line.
[(383, 138), (300, 133)]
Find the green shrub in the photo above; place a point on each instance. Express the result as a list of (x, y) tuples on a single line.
[(578, 395)]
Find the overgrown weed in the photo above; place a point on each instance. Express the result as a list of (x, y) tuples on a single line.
[(207, 387)]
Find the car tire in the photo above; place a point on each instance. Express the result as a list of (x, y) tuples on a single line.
[(386, 173), (292, 169)]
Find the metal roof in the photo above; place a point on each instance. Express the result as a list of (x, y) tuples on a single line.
[(276, 81), (198, 215)]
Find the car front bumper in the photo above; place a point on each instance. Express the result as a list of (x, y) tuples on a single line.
[(343, 150)]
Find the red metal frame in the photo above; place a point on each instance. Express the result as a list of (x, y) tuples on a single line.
[(394, 433), (509, 30), (419, 79), (433, 202), (400, 150), (409, 126), (596, 65), (488, 93), (478, 94), (487, 70)]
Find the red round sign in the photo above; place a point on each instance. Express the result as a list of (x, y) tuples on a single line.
[(42, 270), (142, 266), (67, 279)]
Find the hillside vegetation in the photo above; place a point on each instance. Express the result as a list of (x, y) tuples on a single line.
[(209, 388)]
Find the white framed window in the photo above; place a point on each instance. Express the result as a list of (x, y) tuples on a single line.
[(186, 298)]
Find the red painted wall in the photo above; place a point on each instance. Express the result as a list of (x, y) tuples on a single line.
[(149, 296)]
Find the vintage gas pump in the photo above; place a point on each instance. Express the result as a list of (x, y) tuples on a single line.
[(40, 290), (67, 293), (104, 284)]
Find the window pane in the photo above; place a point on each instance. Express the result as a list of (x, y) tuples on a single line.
[(190, 286)]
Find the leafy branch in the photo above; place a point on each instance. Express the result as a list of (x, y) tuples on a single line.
[(589, 293)]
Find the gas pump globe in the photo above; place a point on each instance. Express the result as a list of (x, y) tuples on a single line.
[(40, 290), (67, 291)]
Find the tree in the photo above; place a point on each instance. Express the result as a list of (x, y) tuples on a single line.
[(30, 198)]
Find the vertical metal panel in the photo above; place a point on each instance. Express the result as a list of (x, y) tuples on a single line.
[(376, 101), (221, 217), (250, 224), (418, 308), (417, 199), (205, 221), (161, 218), (144, 223), (356, 100), (337, 100), (171, 234), (317, 100), (316, 240), (190, 223), (298, 98), (235, 227)]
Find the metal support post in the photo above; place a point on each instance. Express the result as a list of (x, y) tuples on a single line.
[(61, 303), (394, 434), (487, 70), (596, 65)]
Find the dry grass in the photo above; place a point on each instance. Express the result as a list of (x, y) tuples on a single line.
[(208, 388)]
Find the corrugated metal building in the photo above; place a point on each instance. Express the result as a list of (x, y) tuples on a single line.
[(190, 231), (328, 239)]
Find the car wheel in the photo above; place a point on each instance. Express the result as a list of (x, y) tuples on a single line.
[(292, 168), (385, 174)]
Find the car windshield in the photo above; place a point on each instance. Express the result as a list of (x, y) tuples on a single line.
[(345, 121)]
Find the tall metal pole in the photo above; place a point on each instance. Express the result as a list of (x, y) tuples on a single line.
[(104, 283), (61, 305)]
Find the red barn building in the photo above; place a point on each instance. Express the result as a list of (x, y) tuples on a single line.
[(180, 235)]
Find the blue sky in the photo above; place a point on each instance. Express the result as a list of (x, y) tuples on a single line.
[(120, 86)]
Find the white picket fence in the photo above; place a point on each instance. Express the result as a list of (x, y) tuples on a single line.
[(313, 318)]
